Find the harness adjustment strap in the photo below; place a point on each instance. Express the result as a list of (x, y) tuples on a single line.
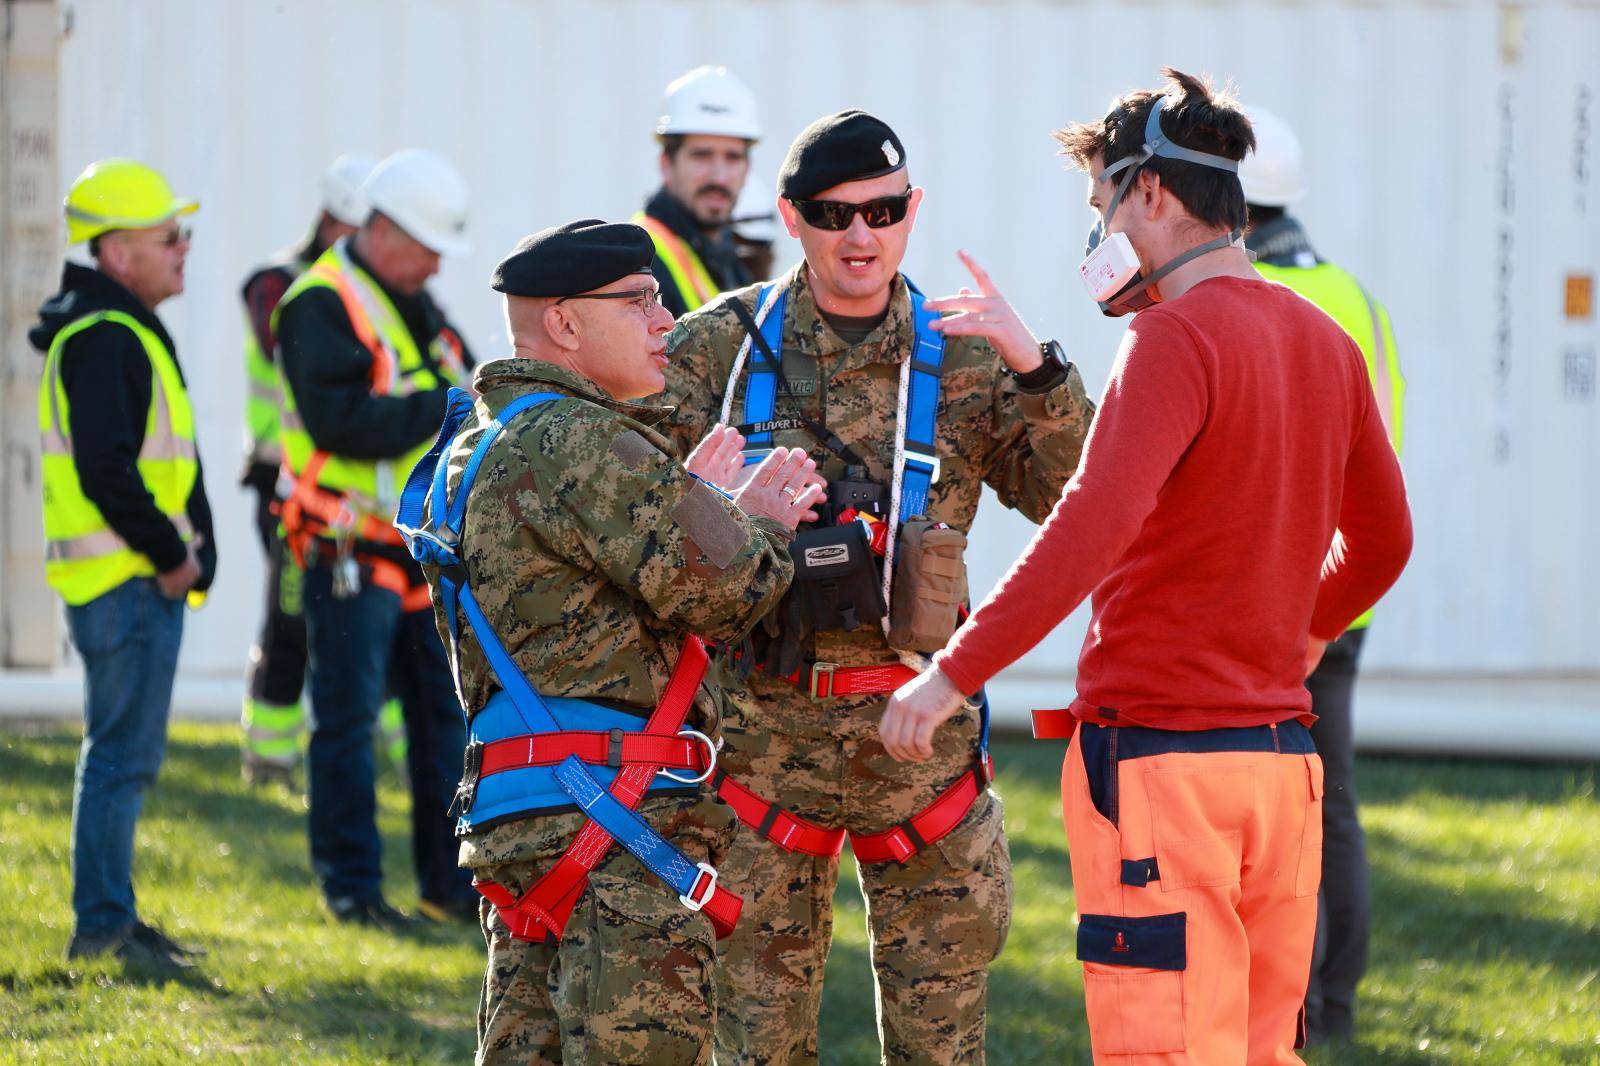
[(771, 822), (615, 749), (928, 826)]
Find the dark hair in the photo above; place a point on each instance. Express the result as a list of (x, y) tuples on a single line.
[(670, 143), (1261, 214), (94, 246), (1193, 117)]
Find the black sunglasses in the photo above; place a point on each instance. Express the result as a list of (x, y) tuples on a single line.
[(836, 214)]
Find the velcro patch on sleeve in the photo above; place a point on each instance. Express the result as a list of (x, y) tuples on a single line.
[(704, 516), (1157, 942), (633, 449)]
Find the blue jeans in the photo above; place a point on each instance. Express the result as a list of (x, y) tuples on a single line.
[(351, 643), (128, 640)]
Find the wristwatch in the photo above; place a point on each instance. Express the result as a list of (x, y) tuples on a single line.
[(1048, 374)]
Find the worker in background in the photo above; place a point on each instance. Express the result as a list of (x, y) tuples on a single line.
[(1235, 414), (1273, 178), (272, 720), (707, 127), (127, 525), (366, 357), (908, 423), (755, 228)]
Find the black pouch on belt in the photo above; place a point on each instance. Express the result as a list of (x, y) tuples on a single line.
[(836, 578)]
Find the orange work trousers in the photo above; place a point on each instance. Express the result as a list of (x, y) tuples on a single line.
[(1196, 859)]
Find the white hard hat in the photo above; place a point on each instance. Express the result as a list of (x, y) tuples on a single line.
[(755, 215), (1271, 175), (709, 100), (425, 196), (341, 187)]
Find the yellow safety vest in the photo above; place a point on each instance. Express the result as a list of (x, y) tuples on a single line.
[(689, 274), (84, 557), (369, 489), (263, 396), (1338, 294)]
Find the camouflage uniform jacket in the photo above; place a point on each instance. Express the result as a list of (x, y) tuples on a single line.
[(1023, 446), (592, 553)]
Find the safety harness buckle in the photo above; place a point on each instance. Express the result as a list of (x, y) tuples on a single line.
[(819, 672), (709, 874), (711, 757), (467, 788), (614, 750), (926, 459)]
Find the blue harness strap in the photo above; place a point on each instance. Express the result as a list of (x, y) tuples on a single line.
[(922, 410), (761, 384), (436, 541), (439, 546), (629, 829)]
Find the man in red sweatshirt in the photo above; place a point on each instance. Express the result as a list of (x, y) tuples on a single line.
[(1238, 438)]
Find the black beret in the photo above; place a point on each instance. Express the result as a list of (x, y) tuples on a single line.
[(849, 146), (579, 257)]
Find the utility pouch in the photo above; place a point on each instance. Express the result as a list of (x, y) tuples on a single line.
[(836, 578), (930, 583)]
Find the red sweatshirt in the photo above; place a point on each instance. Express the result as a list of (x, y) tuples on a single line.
[(1238, 429)]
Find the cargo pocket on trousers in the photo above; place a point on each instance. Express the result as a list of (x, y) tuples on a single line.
[(1308, 878), (1198, 817), (977, 850), (648, 947), (1133, 982)]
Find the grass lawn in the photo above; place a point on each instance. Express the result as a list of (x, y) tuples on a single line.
[(1486, 946)]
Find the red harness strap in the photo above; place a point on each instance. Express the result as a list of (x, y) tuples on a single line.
[(792, 833), (789, 831), (824, 679), (540, 914), (615, 749), (933, 823)]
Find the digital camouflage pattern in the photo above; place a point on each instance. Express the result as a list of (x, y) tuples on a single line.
[(937, 922), (581, 539)]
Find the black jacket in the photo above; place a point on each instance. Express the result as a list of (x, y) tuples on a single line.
[(330, 370), (109, 383), (717, 252)]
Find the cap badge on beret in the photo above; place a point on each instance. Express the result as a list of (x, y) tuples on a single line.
[(890, 154)]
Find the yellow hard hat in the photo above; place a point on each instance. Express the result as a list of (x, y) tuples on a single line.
[(120, 194)]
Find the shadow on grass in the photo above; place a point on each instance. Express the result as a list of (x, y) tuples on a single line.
[(392, 1024), (199, 789), (1466, 923), (1388, 779)]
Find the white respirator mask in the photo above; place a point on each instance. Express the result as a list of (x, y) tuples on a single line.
[(1111, 270)]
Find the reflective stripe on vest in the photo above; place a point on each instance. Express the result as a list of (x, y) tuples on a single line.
[(689, 274), (84, 557), (1338, 294), (263, 403), (368, 489)]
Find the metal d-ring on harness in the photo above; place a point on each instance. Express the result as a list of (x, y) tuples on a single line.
[(916, 468), (529, 754)]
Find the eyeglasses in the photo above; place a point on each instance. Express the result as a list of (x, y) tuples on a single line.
[(836, 214), (170, 239), (649, 299)]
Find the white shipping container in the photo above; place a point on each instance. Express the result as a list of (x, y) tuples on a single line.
[(1451, 151)]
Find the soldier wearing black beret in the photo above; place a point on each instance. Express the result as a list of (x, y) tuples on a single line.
[(593, 555), (804, 762)]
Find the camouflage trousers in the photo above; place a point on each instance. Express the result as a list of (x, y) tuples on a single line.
[(630, 980), (935, 923)]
